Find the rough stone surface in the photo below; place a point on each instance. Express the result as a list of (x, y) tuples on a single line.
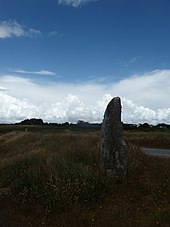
[(113, 147)]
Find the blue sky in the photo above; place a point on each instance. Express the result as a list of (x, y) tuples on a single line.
[(73, 56)]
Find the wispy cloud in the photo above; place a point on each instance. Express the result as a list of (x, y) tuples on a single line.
[(40, 72), (130, 62), (145, 98), (100, 79), (11, 28), (134, 59), (55, 34), (74, 3)]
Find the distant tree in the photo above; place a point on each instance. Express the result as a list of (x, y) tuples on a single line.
[(129, 126), (32, 121), (161, 125), (66, 124), (144, 126), (80, 122)]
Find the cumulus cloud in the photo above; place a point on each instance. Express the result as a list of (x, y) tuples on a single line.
[(74, 3), (40, 72), (150, 89), (139, 114), (11, 28), (13, 109), (145, 98)]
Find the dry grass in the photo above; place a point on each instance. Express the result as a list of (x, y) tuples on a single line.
[(156, 139), (54, 180)]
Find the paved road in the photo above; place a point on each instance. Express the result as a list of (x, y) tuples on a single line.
[(157, 151)]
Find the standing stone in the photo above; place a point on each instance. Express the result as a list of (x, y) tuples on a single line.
[(113, 147)]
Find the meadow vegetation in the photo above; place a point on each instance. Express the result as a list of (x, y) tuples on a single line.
[(54, 179)]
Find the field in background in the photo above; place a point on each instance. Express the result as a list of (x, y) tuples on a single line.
[(52, 177)]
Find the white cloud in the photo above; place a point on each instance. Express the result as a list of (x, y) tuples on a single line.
[(13, 109), (2, 89), (11, 28), (55, 34), (40, 72), (137, 114), (145, 98), (151, 89), (74, 3)]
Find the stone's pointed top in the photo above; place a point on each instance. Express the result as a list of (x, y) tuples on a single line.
[(114, 109), (115, 100), (116, 97)]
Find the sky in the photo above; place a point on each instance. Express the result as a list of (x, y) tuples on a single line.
[(64, 60)]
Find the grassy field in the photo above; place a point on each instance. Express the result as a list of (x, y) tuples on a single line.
[(52, 178), (153, 139)]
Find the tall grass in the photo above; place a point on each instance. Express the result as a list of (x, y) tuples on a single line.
[(51, 173)]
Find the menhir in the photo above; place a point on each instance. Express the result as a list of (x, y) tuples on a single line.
[(113, 147)]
